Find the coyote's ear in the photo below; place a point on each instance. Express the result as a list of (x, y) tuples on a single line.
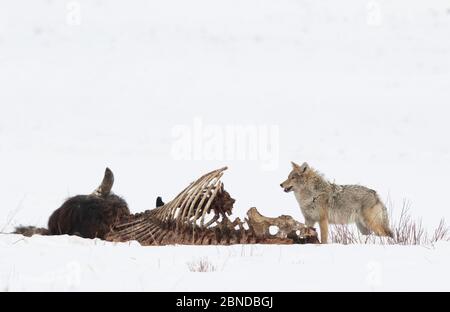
[(295, 166), (304, 167), (298, 168)]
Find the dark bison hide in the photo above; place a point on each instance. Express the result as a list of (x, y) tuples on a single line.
[(88, 216)]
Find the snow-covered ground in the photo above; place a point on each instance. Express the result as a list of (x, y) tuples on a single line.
[(73, 264), (359, 89)]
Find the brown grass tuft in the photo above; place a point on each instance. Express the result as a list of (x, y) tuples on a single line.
[(201, 265), (407, 231)]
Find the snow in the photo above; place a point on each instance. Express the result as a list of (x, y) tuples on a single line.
[(359, 89), (66, 263)]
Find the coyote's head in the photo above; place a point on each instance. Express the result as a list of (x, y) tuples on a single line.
[(296, 177)]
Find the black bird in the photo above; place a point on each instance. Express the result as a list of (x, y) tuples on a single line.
[(159, 202)]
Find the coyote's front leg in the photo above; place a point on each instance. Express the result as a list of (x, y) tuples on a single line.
[(323, 221)]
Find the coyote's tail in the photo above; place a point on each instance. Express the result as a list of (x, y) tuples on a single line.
[(386, 226), (30, 231)]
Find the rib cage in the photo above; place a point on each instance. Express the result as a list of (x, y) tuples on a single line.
[(184, 220)]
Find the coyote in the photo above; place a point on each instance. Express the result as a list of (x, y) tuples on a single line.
[(325, 202)]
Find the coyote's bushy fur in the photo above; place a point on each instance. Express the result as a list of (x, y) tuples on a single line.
[(329, 203)]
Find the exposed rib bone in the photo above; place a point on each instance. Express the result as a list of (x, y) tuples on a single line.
[(176, 222)]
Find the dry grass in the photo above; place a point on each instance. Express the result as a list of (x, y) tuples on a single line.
[(201, 265), (407, 231), (11, 215)]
